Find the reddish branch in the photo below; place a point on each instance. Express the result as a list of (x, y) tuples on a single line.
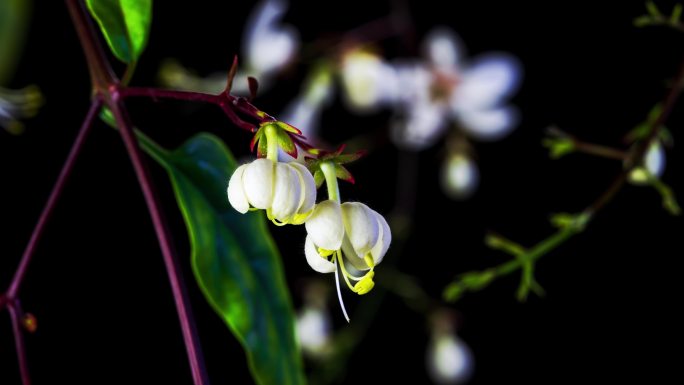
[(109, 92)]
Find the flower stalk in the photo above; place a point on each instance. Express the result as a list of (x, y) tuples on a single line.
[(328, 169)]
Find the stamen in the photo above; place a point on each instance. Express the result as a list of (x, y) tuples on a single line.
[(366, 284), (346, 275), (325, 253), (369, 260), (277, 223), (339, 292)]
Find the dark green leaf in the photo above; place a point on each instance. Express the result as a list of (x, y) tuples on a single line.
[(234, 258), (14, 15), (676, 14), (125, 25)]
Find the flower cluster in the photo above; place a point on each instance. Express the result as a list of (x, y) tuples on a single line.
[(442, 94), (348, 239)]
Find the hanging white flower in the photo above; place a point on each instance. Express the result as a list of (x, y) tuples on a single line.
[(350, 235), (446, 88), (285, 190)]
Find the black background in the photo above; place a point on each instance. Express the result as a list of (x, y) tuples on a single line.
[(99, 291)]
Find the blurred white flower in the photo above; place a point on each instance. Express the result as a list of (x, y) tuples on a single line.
[(305, 110), (431, 94), (313, 330), (267, 46), (449, 359), (368, 81), (349, 233), (16, 105), (285, 190), (654, 165), (460, 176)]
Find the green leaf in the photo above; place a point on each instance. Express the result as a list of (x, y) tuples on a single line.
[(676, 14), (653, 9), (643, 21), (125, 25), (14, 17), (234, 258)]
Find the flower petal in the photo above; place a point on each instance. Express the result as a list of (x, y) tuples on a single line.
[(357, 264), (654, 165), (269, 44), (460, 176), (258, 183), (368, 81), (655, 159), (487, 82), (443, 48), (380, 249), (316, 262), (236, 193), (492, 124), (287, 192), (308, 197), (413, 83), (361, 226), (325, 226), (422, 127)]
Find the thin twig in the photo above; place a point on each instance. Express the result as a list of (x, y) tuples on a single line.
[(550, 243), (637, 156), (180, 295), (598, 150), (18, 278), (230, 104), (101, 73), (16, 314)]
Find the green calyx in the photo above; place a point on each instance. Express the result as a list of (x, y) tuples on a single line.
[(334, 161), (274, 134)]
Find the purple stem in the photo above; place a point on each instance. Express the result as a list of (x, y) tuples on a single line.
[(18, 278), (180, 295), (230, 104), (16, 314)]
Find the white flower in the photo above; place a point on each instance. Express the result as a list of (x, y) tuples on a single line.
[(286, 191), (460, 176), (268, 44), (313, 330), (305, 110), (432, 94), (349, 233), (368, 81), (18, 104), (654, 165), (449, 360)]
